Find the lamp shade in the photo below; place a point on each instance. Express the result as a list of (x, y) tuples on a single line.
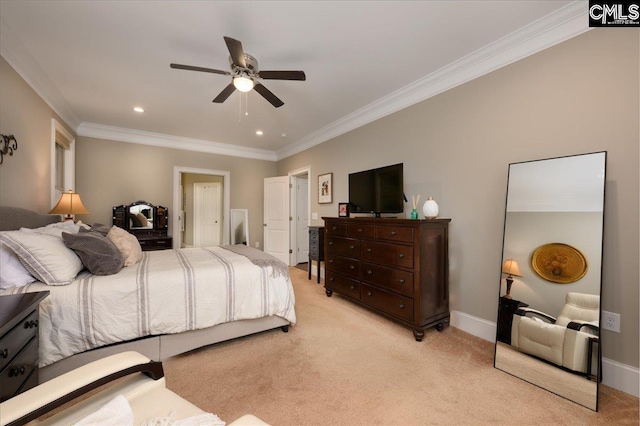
[(510, 268), (243, 83), (69, 204)]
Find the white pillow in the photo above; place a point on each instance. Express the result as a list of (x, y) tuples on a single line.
[(12, 272), (44, 256), (56, 229), (127, 243)]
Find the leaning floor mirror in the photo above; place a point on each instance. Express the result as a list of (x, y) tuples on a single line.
[(549, 301)]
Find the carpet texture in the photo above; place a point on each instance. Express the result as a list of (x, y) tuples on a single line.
[(344, 365)]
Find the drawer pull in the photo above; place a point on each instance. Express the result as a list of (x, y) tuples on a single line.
[(4, 354), (31, 324), (401, 255), (359, 229), (17, 371), (330, 243), (401, 280), (352, 267), (401, 306), (331, 279), (369, 272), (330, 260), (369, 293), (351, 247), (161, 242), (353, 287), (335, 228), (369, 250), (393, 233)]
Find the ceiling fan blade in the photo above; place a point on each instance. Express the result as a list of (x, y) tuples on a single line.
[(225, 94), (266, 93), (282, 75), (192, 68), (236, 52)]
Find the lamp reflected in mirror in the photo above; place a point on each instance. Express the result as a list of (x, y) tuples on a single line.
[(510, 268)]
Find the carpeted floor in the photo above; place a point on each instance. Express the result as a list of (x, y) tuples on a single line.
[(343, 365)]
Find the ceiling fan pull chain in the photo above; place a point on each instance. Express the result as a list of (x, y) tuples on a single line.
[(246, 103)]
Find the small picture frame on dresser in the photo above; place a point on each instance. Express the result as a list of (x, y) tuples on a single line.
[(343, 209)]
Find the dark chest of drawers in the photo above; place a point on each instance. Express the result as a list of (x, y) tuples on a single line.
[(19, 327), (316, 248), (396, 267)]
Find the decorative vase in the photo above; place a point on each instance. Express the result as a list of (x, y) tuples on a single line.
[(414, 214), (430, 208)]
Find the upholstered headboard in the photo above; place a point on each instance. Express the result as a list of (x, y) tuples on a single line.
[(15, 218)]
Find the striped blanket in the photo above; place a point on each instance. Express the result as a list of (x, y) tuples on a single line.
[(169, 291)]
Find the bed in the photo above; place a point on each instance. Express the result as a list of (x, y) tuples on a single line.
[(169, 302)]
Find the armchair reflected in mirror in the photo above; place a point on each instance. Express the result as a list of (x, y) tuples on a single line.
[(548, 321)]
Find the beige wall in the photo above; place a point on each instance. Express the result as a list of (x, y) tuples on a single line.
[(25, 177), (110, 173), (580, 96)]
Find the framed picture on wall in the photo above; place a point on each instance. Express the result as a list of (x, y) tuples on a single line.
[(325, 188), (343, 209)]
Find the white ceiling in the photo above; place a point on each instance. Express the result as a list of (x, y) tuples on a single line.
[(93, 61)]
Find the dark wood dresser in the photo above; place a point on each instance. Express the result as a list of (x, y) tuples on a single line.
[(316, 247), (153, 236), (396, 267), (19, 326), (506, 308)]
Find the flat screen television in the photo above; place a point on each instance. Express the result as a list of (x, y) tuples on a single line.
[(377, 191)]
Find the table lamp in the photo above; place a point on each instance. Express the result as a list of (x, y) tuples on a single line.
[(69, 204), (510, 268)]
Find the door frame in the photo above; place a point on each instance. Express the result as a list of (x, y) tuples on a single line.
[(177, 202), (293, 241)]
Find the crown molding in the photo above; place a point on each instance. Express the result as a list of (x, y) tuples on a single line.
[(564, 24), (101, 131), (17, 55)]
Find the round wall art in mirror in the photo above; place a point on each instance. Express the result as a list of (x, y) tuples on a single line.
[(559, 263)]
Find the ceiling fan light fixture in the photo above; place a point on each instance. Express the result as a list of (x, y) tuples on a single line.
[(243, 83)]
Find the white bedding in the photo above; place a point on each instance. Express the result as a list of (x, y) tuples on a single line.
[(168, 291)]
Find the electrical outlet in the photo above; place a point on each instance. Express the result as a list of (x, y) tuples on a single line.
[(257, 244), (314, 216), (610, 321)]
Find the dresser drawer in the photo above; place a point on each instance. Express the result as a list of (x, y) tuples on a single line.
[(19, 370), (391, 303), (394, 233), (336, 228), (343, 285), (387, 254), (314, 248), (361, 230), (15, 339), (348, 247), (156, 243), (343, 265), (396, 280)]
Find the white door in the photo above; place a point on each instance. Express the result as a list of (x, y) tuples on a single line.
[(302, 220), (276, 217), (207, 215)]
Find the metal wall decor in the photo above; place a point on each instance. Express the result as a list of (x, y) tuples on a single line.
[(559, 263), (7, 146)]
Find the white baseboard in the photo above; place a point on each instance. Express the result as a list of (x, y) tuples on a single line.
[(619, 376)]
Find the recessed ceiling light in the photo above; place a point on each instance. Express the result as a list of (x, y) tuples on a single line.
[(138, 109), (259, 132)]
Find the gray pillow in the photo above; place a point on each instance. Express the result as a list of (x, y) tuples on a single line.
[(99, 228), (99, 255)]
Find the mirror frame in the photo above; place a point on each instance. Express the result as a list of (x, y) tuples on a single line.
[(233, 222), (512, 357)]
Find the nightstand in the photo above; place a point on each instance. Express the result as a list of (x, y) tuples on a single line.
[(316, 247), (19, 342), (506, 309)]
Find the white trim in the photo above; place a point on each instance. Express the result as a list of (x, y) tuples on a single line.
[(100, 131), (619, 376), (559, 26), (17, 55), (474, 325), (177, 202)]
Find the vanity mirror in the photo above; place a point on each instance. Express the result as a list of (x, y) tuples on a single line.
[(148, 222), (549, 302)]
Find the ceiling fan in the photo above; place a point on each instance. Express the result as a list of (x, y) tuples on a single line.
[(245, 74)]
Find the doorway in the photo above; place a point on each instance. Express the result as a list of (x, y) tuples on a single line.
[(184, 215), (300, 215)]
